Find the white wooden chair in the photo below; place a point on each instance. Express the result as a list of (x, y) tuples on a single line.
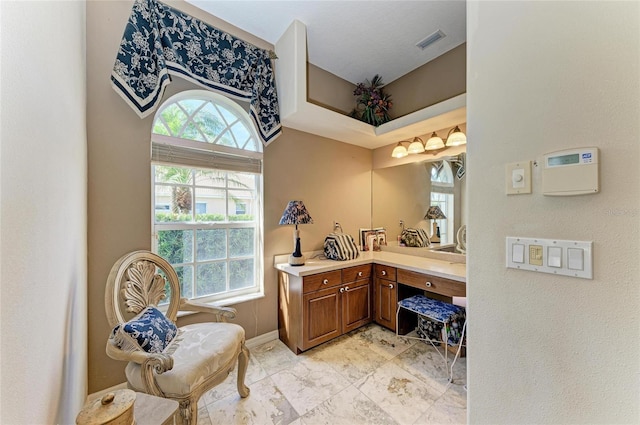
[(198, 358)]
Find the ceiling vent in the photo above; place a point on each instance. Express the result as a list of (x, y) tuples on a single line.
[(430, 39)]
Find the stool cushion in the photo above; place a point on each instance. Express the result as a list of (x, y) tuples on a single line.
[(434, 309)]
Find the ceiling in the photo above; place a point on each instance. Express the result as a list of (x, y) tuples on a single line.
[(354, 39)]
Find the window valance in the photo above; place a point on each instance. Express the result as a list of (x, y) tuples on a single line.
[(160, 40)]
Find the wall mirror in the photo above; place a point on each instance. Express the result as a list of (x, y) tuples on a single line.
[(405, 192)]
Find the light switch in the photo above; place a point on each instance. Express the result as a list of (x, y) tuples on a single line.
[(518, 253), (554, 256), (575, 258)]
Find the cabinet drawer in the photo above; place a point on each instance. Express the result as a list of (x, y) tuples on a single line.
[(438, 285), (351, 274), (321, 280), (385, 272)]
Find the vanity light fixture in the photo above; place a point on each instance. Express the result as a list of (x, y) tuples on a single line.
[(416, 146), (434, 143), (296, 213), (456, 137), (399, 151)]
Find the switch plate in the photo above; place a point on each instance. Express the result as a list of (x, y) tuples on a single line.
[(518, 178), (554, 256)]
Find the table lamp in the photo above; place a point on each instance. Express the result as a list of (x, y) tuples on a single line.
[(296, 213), (434, 213)]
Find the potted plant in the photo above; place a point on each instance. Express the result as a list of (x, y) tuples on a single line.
[(372, 104)]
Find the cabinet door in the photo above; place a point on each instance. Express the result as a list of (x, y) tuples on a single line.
[(356, 304), (321, 317), (386, 300)]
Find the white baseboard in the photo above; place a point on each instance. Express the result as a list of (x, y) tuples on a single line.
[(262, 339)]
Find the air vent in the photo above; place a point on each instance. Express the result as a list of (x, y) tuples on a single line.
[(430, 39)]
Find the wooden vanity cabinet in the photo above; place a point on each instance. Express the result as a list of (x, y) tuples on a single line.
[(385, 296), (317, 308)]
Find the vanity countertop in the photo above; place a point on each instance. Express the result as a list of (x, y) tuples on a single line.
[(435, 267)]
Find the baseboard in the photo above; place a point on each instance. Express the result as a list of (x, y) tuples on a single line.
[(262, 339)]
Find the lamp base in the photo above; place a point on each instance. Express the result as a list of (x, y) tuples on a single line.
[(297, 259), (435, 233)]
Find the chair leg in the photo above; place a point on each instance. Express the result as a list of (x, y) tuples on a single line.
[(243, 362), (188, 412)]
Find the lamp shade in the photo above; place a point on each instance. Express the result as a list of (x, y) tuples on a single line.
[(434, 213), (399, 151), (434, 142), (417, 146), (456, 138), (296, 213)]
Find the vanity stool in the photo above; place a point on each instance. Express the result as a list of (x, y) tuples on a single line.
[(435, 317)]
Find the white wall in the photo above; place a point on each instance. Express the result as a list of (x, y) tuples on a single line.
[(43, 209), (543, 76)]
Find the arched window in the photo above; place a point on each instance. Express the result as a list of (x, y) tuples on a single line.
[(442, 196), (207, 196)]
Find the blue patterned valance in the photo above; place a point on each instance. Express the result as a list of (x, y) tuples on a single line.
[(159, 40)]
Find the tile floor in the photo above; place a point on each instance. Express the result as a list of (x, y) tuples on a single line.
[(368, 376)]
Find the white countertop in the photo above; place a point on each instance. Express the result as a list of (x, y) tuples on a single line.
[(434, 267)]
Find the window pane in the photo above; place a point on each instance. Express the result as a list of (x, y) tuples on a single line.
[(211, 244), (185, 275), (240, 132), (209, 121), (241, 274), (245, 198), (211, 279), (241, 242), (241, 181), (214, 199), (174, 117), (229, 116), (227, 140), (190, 105), (176, 175), (191, 132), (159, 128), (176, 246), (213, 178)]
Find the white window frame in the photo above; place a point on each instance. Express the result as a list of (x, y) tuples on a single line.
[(442, 196), (210, 156)]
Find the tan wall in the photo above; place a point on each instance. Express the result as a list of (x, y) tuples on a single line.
[(551, 349), (438, 80), (331, 177), (43, 205), (329, 91)]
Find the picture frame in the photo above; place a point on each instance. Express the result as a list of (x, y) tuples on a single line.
[(372, 239)]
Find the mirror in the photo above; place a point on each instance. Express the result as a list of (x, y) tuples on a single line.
[(404, 192)]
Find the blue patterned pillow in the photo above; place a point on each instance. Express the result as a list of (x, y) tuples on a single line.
[(149, 331)]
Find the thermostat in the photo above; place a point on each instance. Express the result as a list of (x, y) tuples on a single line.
[(570, 172)]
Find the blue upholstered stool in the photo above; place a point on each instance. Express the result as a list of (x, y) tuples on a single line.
[(448, 315)]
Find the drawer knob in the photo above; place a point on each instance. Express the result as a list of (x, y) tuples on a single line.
[(359, 274), (428, 284), (324, 282), (383, 273), (391, 286), (345, 289)]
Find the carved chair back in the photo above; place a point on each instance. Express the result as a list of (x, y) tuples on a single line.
[(137, 280)]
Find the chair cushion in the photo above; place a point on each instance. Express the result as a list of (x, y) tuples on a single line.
[(201, 350), (150, 331)]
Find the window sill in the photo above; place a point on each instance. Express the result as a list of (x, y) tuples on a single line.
[(227, 302)]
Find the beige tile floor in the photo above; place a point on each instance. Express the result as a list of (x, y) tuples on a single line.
[(368, 376)]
